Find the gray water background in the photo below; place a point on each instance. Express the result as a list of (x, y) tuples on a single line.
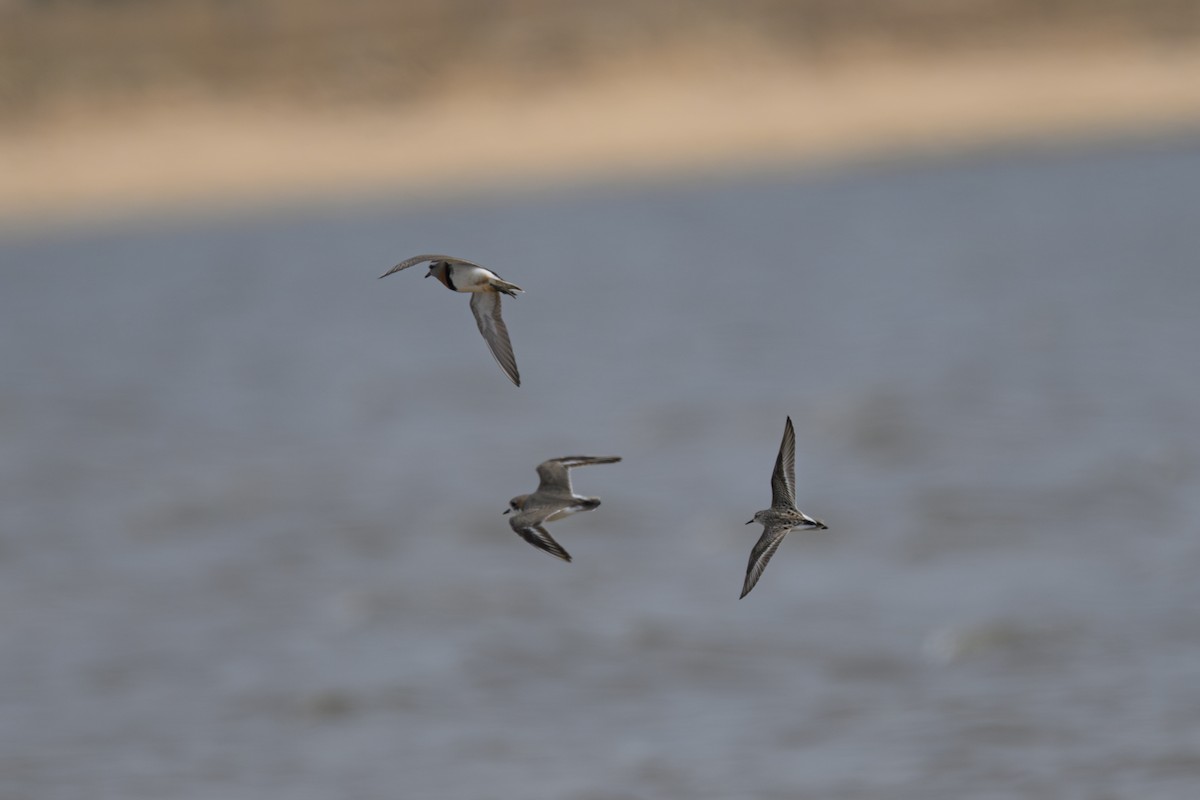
[(251, 542)]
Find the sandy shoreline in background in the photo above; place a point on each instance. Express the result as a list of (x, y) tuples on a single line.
[(642, 122)]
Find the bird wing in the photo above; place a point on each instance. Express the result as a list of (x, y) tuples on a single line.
[(555, 476), (583, 461), (409, 262), (486, 308), (783, 479), (529, 527), (764, 548)]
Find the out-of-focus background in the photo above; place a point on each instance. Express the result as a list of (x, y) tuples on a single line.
[(129, 105), (251, 542)]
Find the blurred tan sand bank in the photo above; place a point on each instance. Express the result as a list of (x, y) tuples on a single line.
[(711, 97)]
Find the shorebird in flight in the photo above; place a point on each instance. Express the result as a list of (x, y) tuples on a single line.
[(485, 287), (553, 500), (783, 516)]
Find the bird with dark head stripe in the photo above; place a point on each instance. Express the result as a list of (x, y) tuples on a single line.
[(485, 286)]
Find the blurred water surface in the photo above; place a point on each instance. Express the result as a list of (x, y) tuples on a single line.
[(251, 542)]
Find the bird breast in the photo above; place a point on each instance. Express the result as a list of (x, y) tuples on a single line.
[(471, 279)]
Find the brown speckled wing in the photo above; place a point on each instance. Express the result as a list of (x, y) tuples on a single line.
[(764, 548), (783, 479)]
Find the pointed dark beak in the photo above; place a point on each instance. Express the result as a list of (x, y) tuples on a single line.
[(507, 509), (751, 521)]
